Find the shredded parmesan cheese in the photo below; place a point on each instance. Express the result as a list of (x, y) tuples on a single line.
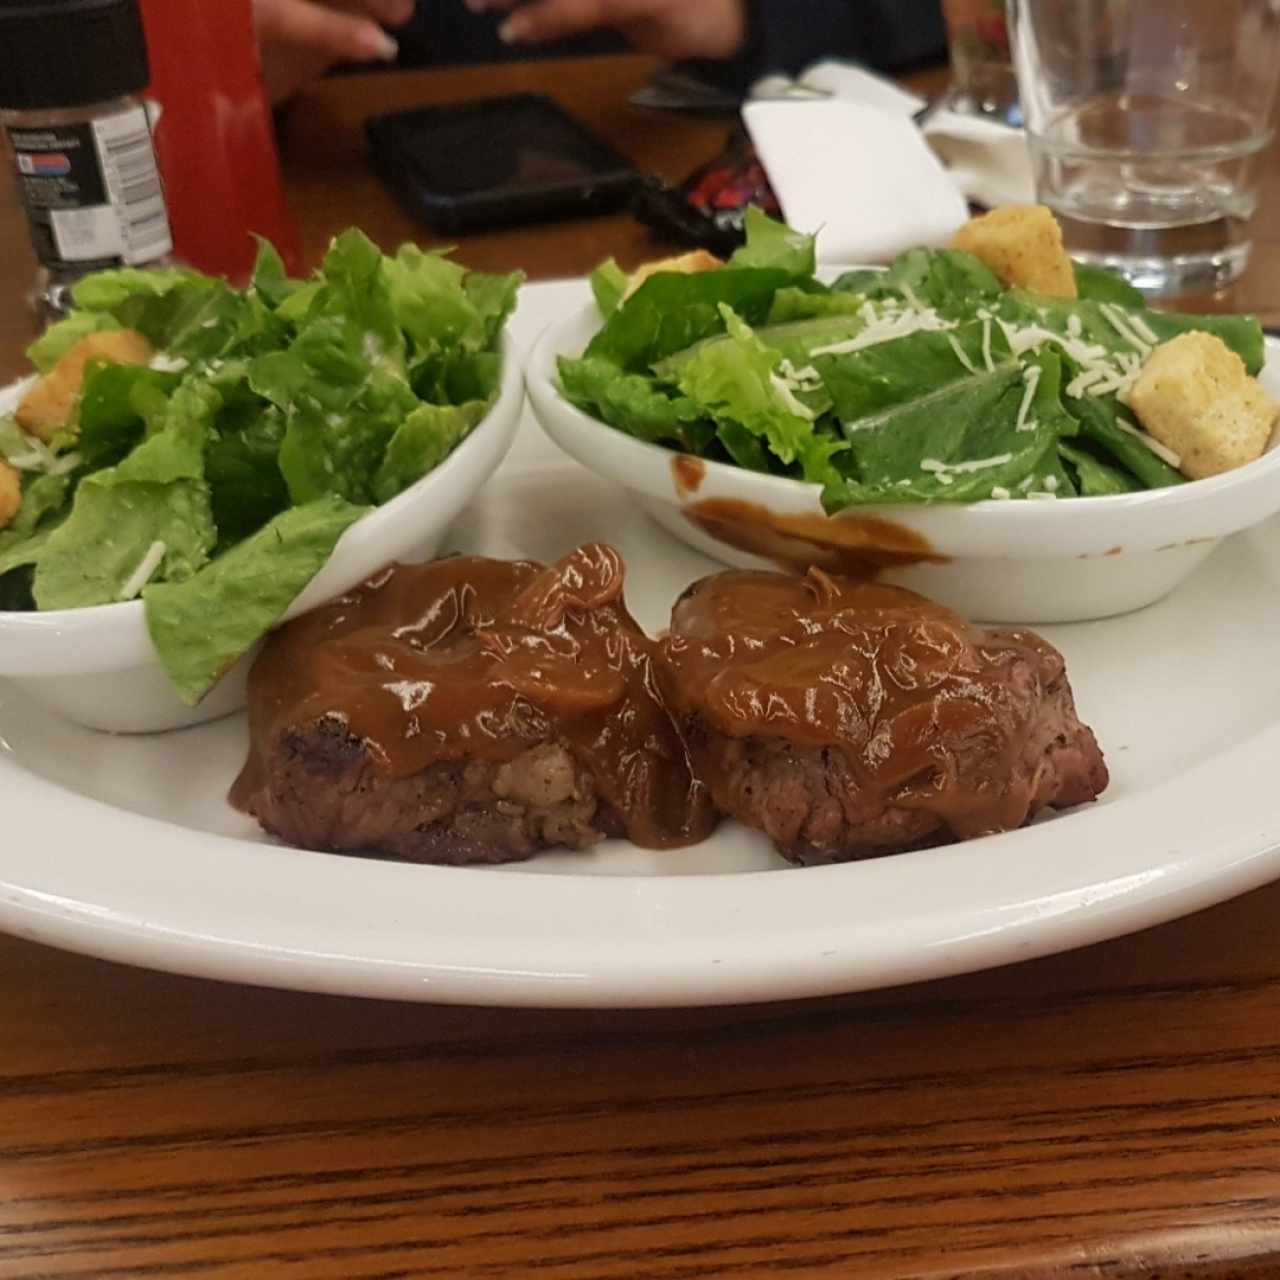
[(962, 468), (788, 398), (1032, 377), (960, 355), (806, 377), (888, 328), (1161, 451), (27, 462), (986, 344), (1120, 322), (144, 572), (1000, 493), (912, 297), (1084, 381)]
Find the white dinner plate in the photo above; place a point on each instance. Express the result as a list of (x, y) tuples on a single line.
[(126, 847)]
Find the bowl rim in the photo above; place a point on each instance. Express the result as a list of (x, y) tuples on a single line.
[(563, 337), (121, 639)]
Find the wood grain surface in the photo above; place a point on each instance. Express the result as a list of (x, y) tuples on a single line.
[(1114, 1112)]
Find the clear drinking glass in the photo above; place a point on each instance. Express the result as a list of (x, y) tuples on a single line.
[(1145, 119), (983, 82)]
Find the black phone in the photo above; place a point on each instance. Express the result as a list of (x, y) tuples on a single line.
[(497, 162)]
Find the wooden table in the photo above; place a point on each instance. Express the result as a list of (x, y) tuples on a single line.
[(1113, 1112)]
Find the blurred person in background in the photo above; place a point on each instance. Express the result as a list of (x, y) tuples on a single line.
[(731, 43)]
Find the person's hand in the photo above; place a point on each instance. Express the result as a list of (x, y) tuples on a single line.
[(669, 28), (301, 39)]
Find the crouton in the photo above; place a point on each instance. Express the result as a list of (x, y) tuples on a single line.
[(1022, 244), (50, 404), (1195, 396), (10, 494), (688, 264)]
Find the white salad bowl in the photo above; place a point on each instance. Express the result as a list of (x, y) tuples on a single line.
[(97, 666), (997, 561)]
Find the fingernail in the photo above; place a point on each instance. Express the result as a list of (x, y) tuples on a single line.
[(375, 43), (514, 30)]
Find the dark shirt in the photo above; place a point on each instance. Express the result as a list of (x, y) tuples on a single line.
[(785, 36)]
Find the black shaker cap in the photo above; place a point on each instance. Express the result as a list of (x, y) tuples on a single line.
[(65, 53)]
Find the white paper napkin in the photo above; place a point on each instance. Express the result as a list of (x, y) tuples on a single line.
[(987, 161), (856, 164), (861, 174)]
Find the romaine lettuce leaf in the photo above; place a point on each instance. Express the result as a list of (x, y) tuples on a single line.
[(738, 381), (634, 403), (430, 303), (456, 377), (1097, 284), (358, 294), (795, 341), (340, 450), (42, 496), (609, 286), (156, 495), (115, 405), (1095, 478), (423, 441), (775, 246), (962, 442), (495, 298), (242, 469), (1098, 417), (109, 290), (270, 281), (18, 550), (670, 312), (59, 338), (953, 282), (797, 304), (877, 377), (203, 626), (1243, 334), (91, 557)]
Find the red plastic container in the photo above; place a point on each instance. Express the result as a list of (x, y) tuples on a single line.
[(214, 136)]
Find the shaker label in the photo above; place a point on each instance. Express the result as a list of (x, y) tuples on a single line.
[(92, 192)]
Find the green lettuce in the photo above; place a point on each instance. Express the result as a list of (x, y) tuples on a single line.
[(775, 246), (1097, 284), (737, 381), (157, 495), (201, 627), (1094, 477), (962, 442), (635, 403), (609, 286), (953, 282), (59, 338), (421, 442), (116, 405), (670, 312)]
